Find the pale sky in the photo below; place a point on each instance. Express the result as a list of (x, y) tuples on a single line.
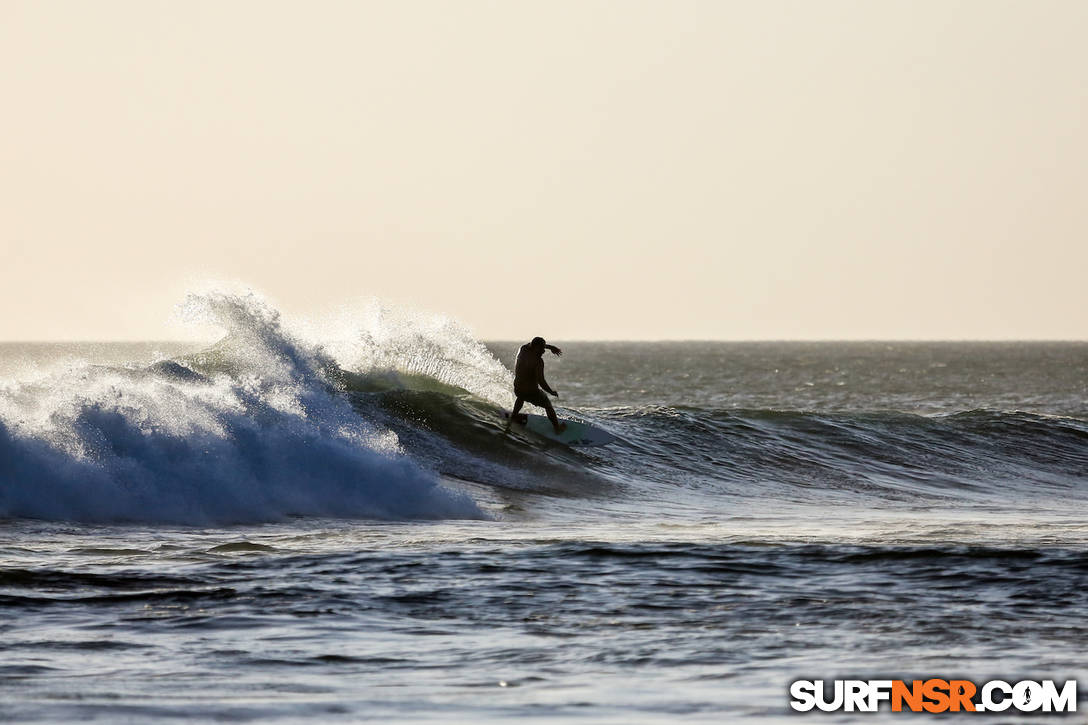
[(578, 170)]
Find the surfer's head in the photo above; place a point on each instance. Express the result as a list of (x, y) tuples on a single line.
[(537, 344)]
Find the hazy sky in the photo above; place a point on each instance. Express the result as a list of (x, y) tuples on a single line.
[(735, 170)]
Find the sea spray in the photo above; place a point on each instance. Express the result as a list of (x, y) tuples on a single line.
[(376, 338)]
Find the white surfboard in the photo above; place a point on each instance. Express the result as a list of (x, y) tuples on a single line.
[(576, 434)]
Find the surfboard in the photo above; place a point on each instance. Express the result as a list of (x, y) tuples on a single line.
[(576, 434)]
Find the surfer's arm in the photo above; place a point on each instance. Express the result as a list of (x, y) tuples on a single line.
[(542, 382), (555, 350)]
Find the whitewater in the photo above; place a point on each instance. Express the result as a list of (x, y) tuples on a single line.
[(327, 521)]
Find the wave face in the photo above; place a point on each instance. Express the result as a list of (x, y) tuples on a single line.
[(250, 430), (981, 457), (375, 414)]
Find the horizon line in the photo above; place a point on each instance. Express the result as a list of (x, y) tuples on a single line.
[(165, 341)]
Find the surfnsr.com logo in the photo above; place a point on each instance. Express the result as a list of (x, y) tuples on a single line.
[(933, 695)]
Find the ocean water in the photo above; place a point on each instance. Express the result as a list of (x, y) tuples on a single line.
[(328, 523)]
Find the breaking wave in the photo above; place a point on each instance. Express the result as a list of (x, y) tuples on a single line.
[(252, 429)]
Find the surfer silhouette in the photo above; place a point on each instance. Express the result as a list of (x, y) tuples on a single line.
[(529, 379)]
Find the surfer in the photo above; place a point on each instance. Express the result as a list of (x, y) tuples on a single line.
[(529, 379)]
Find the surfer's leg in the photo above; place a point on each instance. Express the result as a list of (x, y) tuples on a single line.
[(517, 407), (559, 427)]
